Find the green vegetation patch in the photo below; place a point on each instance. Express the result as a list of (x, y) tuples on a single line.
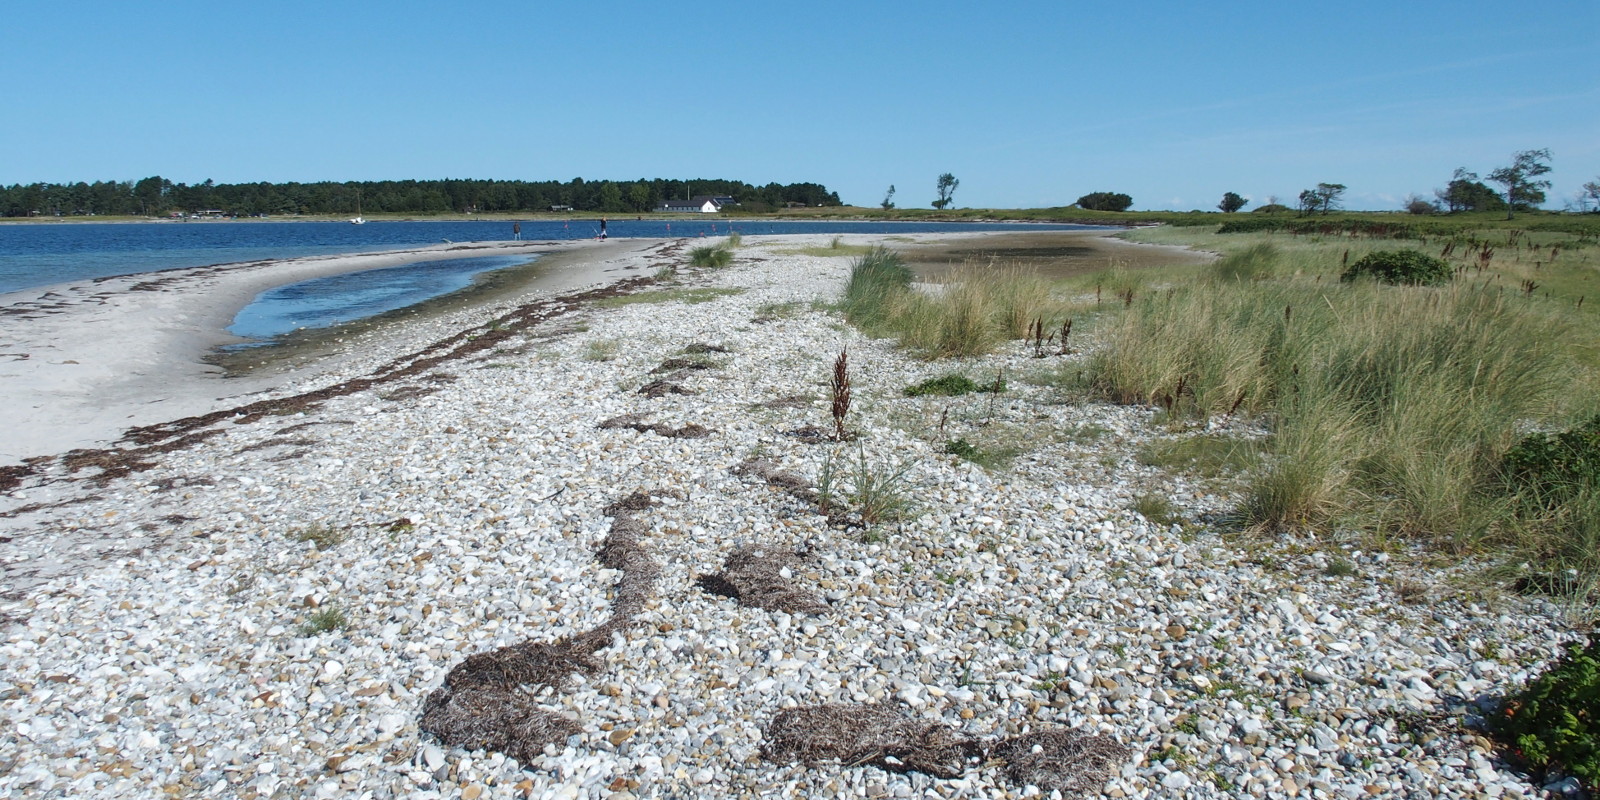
[(1543, 470), (324, 620), (1209, 455), (1400, 267), (1555, 721), (953, 385)]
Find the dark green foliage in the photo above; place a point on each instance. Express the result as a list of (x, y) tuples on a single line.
[(1231, 202), (1544, 471), (961, 448), (1400, 267), (952, 385), (156, 195), (947, 189), (1105, 201), (1556, 720), (1466, 193), (1271, 208)]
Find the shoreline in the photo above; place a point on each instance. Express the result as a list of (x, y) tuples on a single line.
[(82, 362)]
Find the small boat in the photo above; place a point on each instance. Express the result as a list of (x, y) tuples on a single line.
[(357, 220)]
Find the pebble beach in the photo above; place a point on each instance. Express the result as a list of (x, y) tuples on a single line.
[(265, 610)]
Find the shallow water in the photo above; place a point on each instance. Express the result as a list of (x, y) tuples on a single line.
[(327, 301)]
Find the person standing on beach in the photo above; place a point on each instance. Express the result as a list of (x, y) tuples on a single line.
[(516, 231), (602, 227)]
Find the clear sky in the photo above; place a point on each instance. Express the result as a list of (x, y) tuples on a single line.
[(1028, 103)]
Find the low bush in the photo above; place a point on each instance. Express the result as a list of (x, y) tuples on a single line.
[(710, 256), (1544, 470), (1400, 267), (1555, 721)]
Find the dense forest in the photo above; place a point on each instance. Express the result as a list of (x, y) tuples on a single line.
[(156, 196)]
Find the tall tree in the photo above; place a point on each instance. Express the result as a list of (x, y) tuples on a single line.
[(1105, 201), (888, 198), (947, 190), (1521, 179), (1231, 202), (1591, 193), (1466, 193), (1323, 199)]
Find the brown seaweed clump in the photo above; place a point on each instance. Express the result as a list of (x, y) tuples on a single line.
[(753, 575), (856, 735), (486, 717), (1061, 759)]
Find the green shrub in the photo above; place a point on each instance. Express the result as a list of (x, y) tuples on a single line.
[(710, 256), (1400, 266), (1556, 720), (1543, 471)]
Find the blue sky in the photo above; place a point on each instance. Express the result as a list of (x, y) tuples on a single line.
[(1028, 104)]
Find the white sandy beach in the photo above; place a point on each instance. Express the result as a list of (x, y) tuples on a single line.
[(82, 362), (280, 604)]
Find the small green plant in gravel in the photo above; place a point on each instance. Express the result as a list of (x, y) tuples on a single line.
[(602, 350), (324, 620), (1400, 267), (1157, 509), (323, 536), (880, 493), (1339, 568), (1555, 721)]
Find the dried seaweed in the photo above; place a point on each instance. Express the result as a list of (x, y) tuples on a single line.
[(663, 388), (855, 735), (754, 575), (1061, 759), (493, 718), (485, 701)]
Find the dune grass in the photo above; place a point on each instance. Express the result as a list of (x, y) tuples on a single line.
[(969, 312), (1389, 406)]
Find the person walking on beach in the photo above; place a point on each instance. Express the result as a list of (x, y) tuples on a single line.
[(516, 231)]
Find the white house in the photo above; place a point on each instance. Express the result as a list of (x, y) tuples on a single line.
[(703, 204)]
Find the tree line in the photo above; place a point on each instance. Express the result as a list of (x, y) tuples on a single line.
[(157, 196)]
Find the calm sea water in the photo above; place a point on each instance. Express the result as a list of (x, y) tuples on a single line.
[(41, 255)]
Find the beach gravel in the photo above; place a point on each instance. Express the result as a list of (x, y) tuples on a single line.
[(264, 614)]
